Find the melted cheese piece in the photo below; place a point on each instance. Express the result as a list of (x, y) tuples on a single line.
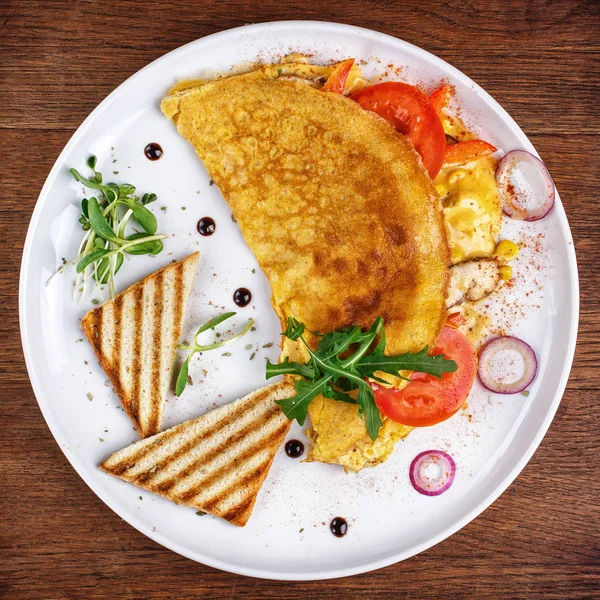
[(477, 325), (472, 208)]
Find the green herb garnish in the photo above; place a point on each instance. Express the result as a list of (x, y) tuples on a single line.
[(182, 378), (112, 222), (294, 329), (337, 369)]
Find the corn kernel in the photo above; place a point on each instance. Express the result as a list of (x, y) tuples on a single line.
[(456, 176), (442, 190), (506, 272), (506, 251)]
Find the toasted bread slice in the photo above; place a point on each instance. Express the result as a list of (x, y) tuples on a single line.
[(216, 463), (135, 335)]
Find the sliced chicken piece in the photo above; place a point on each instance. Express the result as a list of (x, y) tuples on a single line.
[(472, 281)]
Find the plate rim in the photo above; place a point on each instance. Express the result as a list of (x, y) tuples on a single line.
[(394, 557)]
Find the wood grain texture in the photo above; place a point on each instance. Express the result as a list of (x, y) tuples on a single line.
[(539, 59)]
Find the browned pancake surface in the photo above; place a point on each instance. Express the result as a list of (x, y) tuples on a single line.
[(333, 202)]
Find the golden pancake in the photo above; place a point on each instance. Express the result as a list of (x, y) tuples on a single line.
[(333, 202), (340, 214)]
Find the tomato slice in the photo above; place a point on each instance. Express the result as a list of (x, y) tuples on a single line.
[(427, 400), (337, 80), (455, 320), (464, 152), (409, 111), (440, 98)]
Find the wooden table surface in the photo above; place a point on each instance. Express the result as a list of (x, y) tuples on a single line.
[(539, 59)]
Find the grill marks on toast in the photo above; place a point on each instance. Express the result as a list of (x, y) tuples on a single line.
[(234, 414), (257, 457), (138, 297), (178, 308), (117, 318), (156, 337), (246, 418), (223, 460), (215, 463), (135, 336)]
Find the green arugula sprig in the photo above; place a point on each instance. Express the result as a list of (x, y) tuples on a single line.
[(182, 378), (105, 219), (339, 365)]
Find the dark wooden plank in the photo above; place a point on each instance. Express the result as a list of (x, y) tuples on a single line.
[(540, 59)]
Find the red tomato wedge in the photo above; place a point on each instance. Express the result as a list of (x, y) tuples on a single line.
[(464, 152), (337, 80), (427, 400), (409, 111), (455, 320), (440, 98)]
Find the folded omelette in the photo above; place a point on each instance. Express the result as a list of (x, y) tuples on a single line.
[(340, 214)]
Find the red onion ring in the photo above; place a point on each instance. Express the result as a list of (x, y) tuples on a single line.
[(430, 486), (490, 353), (525, 186)]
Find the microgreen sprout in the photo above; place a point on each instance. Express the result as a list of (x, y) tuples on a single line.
[(182, 378), (111, 221)]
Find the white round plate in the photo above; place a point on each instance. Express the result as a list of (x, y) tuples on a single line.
[(288, 535)]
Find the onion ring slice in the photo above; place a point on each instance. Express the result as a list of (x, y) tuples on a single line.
[(525, 186), (490, 354), (432, 472)]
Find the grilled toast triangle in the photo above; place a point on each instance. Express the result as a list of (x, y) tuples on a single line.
[(135, 335), (215, 463)]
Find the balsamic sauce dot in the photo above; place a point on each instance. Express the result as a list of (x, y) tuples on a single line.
[(294, 448), (339, 527), (206, 226), (242, 297), (153, 151)]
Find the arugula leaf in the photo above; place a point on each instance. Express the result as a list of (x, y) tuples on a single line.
[(346, 385), (368, 408), (289, 368), (420, 362), (334, 377), (336, 342), (330, 392), (380, 349), (294, 329), (296, 407)]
